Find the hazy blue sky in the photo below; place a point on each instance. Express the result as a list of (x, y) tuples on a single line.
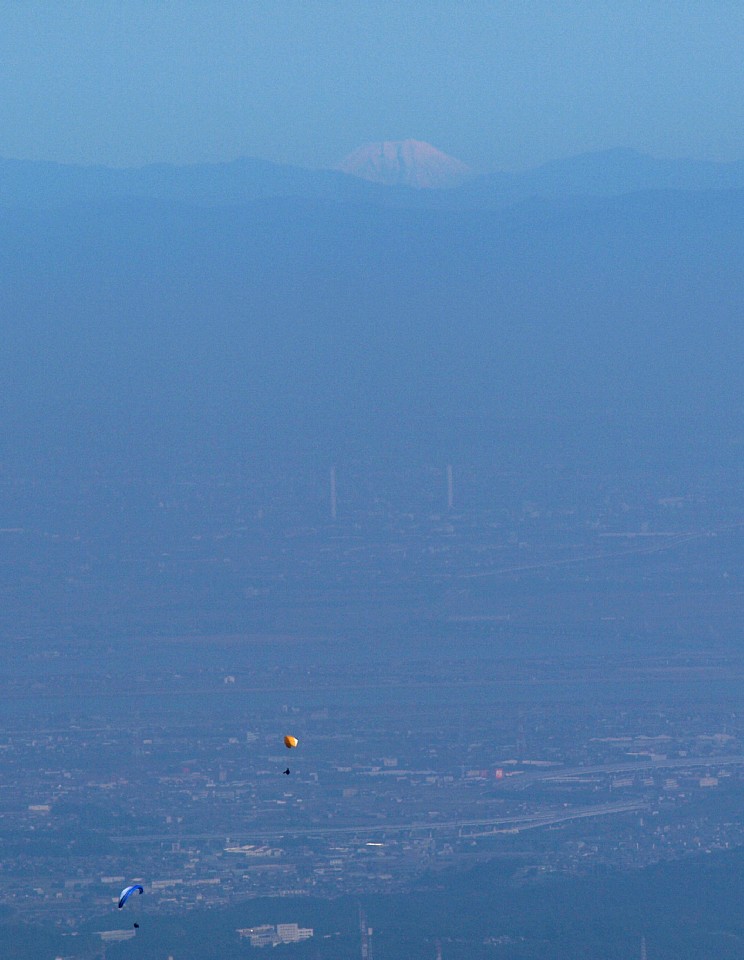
[(499, 83)]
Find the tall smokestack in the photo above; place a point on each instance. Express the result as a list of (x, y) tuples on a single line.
[(333, 493)]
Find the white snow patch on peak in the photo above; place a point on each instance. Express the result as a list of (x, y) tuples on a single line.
[(410, 163)]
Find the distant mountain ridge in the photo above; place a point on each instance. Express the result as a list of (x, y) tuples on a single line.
[(44, 184), (608, 173), (605, 173)]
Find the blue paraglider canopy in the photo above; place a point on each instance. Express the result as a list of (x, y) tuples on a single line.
[(127, 892)]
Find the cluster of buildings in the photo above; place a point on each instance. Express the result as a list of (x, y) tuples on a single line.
[(475, 667), (419, 770), (267, 935)]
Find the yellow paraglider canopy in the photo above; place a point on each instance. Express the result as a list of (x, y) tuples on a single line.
[(290, 742)]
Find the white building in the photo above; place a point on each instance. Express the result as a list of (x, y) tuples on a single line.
[(267, 935)]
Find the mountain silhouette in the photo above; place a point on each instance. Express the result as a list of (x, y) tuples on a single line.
[(409, 163)]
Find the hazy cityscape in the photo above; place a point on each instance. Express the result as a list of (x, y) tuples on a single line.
[(473, 658), (371, 480)]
